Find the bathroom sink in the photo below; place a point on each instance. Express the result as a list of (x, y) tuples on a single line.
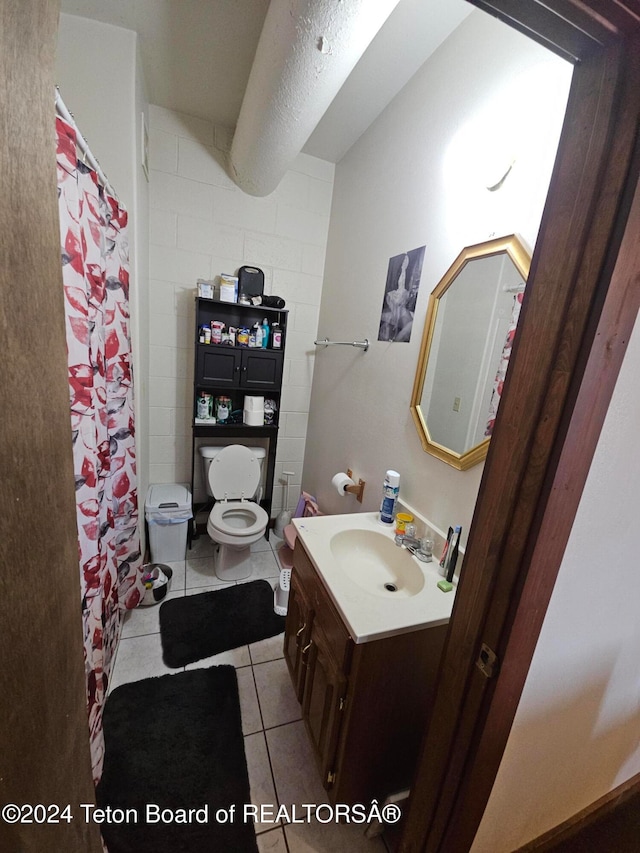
[(374, 562), (379, 589)]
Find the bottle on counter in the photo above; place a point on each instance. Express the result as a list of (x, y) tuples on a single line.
[(390, 491), (265, 333)]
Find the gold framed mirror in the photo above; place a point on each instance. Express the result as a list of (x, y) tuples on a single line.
[(465, 349)]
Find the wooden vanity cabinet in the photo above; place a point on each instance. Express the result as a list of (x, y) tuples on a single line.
[(297, 634), (364, 705), (323, 699)]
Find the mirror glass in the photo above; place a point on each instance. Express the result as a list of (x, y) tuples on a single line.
[(471, 319)]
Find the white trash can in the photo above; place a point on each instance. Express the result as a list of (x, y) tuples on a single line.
[(168, 511)]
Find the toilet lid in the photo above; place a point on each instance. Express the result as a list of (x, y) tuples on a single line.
[(234, 473)]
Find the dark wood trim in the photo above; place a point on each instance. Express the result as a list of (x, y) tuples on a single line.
[(543, 25), (585, 818), (44, 732), (536, 466), (569, 28), (580, 439)]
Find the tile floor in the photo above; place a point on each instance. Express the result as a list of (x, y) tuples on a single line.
[(281, 766)]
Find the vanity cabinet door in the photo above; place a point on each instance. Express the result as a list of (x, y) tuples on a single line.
[(296, 633), (325, 688)]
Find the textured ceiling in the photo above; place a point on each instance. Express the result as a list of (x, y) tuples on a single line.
[(197, 56)]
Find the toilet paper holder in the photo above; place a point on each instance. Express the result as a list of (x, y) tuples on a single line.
[(357, 490)]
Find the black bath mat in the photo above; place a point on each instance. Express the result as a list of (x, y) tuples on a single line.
[(172, 744), (199, 626)]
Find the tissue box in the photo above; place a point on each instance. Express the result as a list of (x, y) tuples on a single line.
[(206, 288), (228, 288)]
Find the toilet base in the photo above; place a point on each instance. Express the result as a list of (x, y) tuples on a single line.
[(231, 563)]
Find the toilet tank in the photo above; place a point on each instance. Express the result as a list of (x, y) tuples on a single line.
[(209, 453)]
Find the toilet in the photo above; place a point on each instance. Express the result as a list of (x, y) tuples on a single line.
[(232, 475)]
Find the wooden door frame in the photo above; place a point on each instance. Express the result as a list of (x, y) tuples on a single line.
[(44, 730), (579, 309)]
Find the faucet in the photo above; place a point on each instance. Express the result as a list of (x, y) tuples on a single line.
[(415, 546)]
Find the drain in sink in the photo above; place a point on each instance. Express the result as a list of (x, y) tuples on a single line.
[(391, 587)]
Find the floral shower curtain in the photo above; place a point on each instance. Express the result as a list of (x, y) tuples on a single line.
[(95, 270), (504, 363)]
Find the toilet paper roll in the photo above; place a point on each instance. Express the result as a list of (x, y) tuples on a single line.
[(254, 404), (340, 482), (253, 418)]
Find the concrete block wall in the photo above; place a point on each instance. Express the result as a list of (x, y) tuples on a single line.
[(202, 225)]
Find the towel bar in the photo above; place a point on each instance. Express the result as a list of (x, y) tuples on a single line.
[(327, 343)]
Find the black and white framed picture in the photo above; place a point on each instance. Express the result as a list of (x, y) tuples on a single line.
[(400, 296)]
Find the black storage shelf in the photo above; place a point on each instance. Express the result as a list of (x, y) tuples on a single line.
[(235, 314), (233, 371), (234, 430)]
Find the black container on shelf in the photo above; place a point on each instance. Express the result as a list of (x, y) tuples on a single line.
[(250, 282)]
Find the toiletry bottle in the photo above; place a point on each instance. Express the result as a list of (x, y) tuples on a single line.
[(453, 555), (443, 564), (258, 334), (265, 333), (276, 338), (390, 490)]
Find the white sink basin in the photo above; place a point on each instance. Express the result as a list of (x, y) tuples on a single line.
[(359, 565), (376, 563)]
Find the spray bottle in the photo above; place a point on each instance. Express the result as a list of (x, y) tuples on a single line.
[(390, 490)]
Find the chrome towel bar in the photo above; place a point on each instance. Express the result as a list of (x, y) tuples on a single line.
[(327, 343)]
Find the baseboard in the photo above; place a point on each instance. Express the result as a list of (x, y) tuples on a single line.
[(570, 827)]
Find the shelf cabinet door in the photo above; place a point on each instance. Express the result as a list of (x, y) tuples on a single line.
[(323, 701), (231, 367), (261, 370), (218, 366), (296, 633)]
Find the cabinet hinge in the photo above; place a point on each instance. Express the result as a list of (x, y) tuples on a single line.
[(488, 662), (331, 777)]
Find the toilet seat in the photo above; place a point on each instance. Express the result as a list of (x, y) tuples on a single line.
[(237, 519), (234, 476)]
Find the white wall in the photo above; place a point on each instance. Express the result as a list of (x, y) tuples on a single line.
[(203, 225), (576, 734), (413, 179), (100, 78)]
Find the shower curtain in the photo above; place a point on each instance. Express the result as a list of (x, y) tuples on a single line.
[(95, 272), (504, 364)]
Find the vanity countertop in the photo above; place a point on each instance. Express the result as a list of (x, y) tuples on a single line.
[(368, 609)]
